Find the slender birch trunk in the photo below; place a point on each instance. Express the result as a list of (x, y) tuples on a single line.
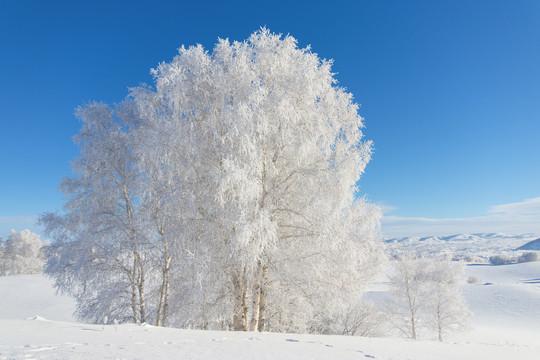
[(245, 310), (138, 275), (164, 294), (240, 317), (439, 312), (413, 328), (255, 308), (261, 324), (166, 306), (163, 306), (133, 278), (140, 285), (237, 314)]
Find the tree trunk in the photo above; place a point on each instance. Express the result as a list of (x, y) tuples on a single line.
[(245, 309), (241, 309), (255, 310), (140, 285), (133, 280), (237, 315), (164, 293), (439, 319), (413, 328), (167, 290), (261, 324), (439, 310)]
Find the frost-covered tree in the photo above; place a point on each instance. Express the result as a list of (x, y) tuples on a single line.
[(21, 253), (272, 150), (409, 292), (361, 318), (445, 306), (99, 253), (426, 294), (224, 197)]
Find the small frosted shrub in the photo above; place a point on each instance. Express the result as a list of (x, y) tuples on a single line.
[(500, 260), (529, 257), (471, 259)]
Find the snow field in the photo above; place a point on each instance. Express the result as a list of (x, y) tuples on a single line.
[(507, 300), (43, 339), (506, 325)]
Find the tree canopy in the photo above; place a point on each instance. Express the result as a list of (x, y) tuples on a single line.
[(224, 197)]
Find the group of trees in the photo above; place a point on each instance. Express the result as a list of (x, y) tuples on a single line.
[(225, 197), (21, 253), (426, 295)]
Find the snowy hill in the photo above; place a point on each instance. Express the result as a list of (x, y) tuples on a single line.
[(36, 323), (26, 296), (471, 247), (531, 245)]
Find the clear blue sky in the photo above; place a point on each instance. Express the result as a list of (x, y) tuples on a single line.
[(450, 91)]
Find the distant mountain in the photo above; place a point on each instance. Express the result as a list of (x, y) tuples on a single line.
[(471, 247), (467, 237)]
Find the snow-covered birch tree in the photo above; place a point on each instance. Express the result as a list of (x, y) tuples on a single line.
[(272, 150), (225, 197), (445, 306), (98, 256), (408, 281), (426, 295)]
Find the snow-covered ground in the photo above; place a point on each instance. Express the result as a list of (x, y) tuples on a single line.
[(25, 296), (35, 323), (505, 304)]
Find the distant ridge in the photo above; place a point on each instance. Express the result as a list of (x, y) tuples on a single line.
[(531, 245), (463, 237), (476, 247)]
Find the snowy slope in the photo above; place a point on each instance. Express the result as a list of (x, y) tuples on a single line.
[(506, 326), (24, 296), (505, 304), (531, 245)]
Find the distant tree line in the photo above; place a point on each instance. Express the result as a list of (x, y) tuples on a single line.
[(21, 253)]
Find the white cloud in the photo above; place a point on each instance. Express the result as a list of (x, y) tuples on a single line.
[(520, 217), (528, 206), (386, 208)]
